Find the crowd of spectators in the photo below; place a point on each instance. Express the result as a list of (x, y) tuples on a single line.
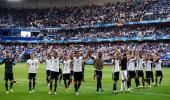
[(118, 12), (137, 31)]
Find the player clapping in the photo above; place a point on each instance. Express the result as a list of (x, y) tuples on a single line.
[(32, 65), (66, 72), (9, 62), (115, 71), (158, 66), (54, 72)]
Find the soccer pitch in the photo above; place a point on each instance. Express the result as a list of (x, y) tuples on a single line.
[(87, 90)]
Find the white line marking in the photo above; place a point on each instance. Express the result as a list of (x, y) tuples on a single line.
[(158, 94)]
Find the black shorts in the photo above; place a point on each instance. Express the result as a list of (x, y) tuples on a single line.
[(99, 75), (139, 73), (131, 74), (78, 76), (32, 76), (66, 76), (71, 73), (48, 73), (54, 75), (115, 76), (9, 76), (159, 73), (60, 71), (148, 74)]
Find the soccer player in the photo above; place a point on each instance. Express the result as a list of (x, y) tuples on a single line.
[(9, 63), (66, 72), (115, 72), (131, 70), (148, 65), (54, 72), (139, 70), (78, 72), (158, 66), (99, 68), (124, 73), (48, 68), (32, 65)]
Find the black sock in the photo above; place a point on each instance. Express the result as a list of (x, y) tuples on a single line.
[(152, 78), (137, 82), (160, 81), (75, 86), (69, 83), (11, 85), (114, 86), (129, 83), (6, 86), (51, 86), (60, 78), (79, 84), (98, 86), (149, 81), (30, 86), (34, 84), (55, 86), (156, 80), (65, 83), (143, 81), (48, 80), (101, 85)]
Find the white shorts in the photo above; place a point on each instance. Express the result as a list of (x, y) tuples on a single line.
[(124, 74)]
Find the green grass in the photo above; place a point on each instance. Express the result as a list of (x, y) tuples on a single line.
[(87, 90)]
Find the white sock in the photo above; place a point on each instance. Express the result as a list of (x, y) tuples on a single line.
[(122, 86), (125, 85)]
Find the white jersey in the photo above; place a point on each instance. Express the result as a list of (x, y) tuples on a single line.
[(116, 66), (148, 65), (158, 65), (55, 64), (33, 65), (66, 69), (48, 64), (131, 65), (139, 64), (77, 64)]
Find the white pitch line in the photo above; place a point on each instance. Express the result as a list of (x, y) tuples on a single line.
[(158, 94)]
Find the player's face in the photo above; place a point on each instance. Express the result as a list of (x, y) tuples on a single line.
[(48, 56), (31, 56), (100, 55), (66, 57), (77, 54), (55, 55), (124, 56), (8, 54)]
